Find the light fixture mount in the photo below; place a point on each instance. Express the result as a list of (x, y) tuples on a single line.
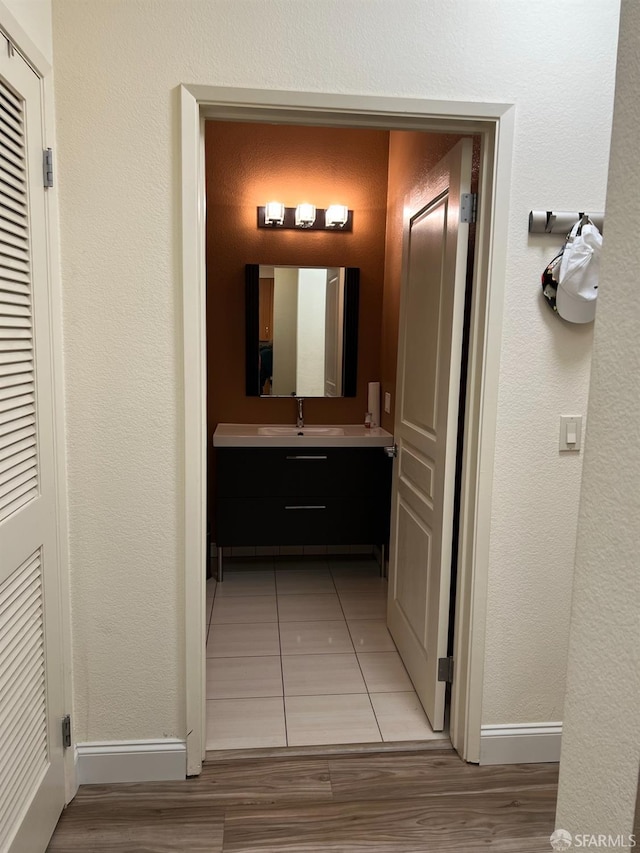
[(267, 218)]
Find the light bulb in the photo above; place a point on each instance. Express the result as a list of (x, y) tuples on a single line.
[(336, 215), (305, 215), (274, 213)]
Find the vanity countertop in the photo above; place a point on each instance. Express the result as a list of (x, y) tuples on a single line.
[(311, 435)]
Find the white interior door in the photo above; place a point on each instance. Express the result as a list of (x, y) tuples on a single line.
[(429, 359), (31, 693)]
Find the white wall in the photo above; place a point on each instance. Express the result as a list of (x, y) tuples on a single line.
[(117, 68), (34, 16), (312, 304), (601, 740)]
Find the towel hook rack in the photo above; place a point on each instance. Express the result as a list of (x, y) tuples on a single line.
[(560, 222)]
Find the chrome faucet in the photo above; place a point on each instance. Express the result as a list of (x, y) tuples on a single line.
[(300, 420)]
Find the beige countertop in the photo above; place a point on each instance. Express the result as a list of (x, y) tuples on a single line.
[(311, 435)]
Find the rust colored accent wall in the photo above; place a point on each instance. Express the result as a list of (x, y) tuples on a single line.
[(248, 165), (411, 157)]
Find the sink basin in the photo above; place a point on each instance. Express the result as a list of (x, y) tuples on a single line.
[(276, 435), (291, 430)]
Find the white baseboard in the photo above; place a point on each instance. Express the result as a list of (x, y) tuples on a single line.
[(131, 761), (528, 743)]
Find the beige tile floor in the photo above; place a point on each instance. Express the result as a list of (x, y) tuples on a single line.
[(298, 654)]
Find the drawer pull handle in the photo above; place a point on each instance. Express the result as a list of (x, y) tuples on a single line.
[(307, 458), (310, 506)]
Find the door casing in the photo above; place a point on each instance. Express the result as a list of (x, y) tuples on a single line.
[(494, 123)]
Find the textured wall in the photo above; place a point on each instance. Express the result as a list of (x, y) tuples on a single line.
[(601, 738), (249, 164), (118, 63)]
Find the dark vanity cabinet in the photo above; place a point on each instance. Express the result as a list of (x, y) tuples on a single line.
[(302, 495)]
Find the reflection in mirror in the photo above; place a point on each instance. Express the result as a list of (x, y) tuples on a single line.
[(307, 331)]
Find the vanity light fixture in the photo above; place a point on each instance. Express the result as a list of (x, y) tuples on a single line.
[(336, 216), (274, 213), (305, 215)]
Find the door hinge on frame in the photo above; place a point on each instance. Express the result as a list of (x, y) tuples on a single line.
[(47, 167), (66, 731), (445, 670), (391, 451), (468, 207)]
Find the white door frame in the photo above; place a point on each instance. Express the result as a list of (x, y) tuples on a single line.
[(494, 122)]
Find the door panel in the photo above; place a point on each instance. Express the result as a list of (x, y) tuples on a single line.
[(420, 397), (430, 352), (31, 699)]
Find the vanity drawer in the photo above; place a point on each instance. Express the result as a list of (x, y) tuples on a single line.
[(301, 520), (281, 471)]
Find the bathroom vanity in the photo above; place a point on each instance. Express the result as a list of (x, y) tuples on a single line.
[(279, 485)]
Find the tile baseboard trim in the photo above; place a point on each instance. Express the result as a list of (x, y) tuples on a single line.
[(103, 762), (520, 743)]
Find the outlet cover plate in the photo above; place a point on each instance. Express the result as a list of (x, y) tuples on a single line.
[(570, 429)]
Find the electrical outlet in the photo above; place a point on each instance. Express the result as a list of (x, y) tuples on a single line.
[(387, 402)]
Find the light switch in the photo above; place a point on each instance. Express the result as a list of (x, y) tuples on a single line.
[(571, 432), (387, 402)]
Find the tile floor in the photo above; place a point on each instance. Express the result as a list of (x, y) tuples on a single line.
[(298, 654)]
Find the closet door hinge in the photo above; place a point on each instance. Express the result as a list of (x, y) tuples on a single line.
[(66, 731), (47, 167), (468, 207), (391, 451), (445, 670)]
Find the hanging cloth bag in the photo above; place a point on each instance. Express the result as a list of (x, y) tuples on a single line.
[(579, 272)]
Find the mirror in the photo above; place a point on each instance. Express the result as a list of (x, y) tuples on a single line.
[(301, 331)]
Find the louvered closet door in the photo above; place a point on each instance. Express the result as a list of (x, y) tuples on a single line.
[(31, 698)]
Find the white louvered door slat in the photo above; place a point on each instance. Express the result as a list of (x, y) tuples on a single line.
[(31, 698), (14, 287), (18, 351), (12, 178), (7, 227), (19, 475), (21, 606)]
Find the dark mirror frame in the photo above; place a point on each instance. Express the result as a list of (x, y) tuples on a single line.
[(252, 330)]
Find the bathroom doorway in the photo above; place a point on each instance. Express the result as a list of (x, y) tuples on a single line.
[(465, 694), (358, 690)]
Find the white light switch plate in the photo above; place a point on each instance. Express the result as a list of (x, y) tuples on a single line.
[(387, 402), (571, 432)]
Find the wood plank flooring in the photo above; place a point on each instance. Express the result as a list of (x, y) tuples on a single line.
[(406, 802)]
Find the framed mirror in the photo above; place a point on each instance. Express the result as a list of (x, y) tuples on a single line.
[(301, 331)]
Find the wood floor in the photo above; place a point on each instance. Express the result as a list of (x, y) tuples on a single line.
[(408, 802)]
